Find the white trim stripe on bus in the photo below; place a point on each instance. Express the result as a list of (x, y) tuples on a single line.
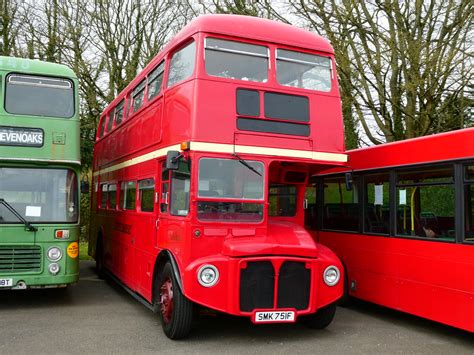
[(230, 149), (78, 162)]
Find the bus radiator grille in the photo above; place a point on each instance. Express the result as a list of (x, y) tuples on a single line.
[(20, 259), (294, 284), (257, 286)]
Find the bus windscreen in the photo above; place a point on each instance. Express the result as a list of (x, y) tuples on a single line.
[(39, 96)]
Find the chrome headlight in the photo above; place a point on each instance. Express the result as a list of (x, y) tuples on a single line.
[(331, 275), (53, 268), (54, 254), (208, 275)]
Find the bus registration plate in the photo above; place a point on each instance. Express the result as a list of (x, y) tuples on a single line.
[(6, 282), (274, 317)]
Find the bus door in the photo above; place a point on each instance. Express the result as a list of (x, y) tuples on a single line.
[(174, 207)]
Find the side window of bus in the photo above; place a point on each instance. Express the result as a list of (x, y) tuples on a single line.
[(182, 64), (102, 126), (180, 184), (119, 111), (155, 79), (110, 122), (469, 203), (377, 206), (146, 190), (138, 95), (112, 192), (311, 207), (341, 207), (425, 203), (282, 200), (128, 195), (165, 183), (103, 197)]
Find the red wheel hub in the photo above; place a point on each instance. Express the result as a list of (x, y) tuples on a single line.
[(166, 300)]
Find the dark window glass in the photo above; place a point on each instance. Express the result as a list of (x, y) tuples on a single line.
[(469, 211), (469, 172), (377, 207), (138, 94), (110, 122), (258, 125), (182, 64), (103, 198), (147, 191), (310, 212), (230, 211), (129, 194), (164, 197), (341, 207), (425, 204), (155, 79), (102, 126), (248, 102), (282, 200), (112, 196), (39, 96), (287, 107), (295, 176), (180, 183), (119, 111), (303, 70), (236, 60)]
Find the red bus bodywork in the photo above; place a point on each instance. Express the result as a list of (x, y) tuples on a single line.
[(201, 111), (427, 277)]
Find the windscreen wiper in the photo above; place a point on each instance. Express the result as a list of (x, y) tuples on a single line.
[(243, 162), (9, 207)]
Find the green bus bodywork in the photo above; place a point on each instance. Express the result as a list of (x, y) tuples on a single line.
[(39, 173)]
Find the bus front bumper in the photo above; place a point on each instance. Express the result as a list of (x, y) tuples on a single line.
[(280, 288)]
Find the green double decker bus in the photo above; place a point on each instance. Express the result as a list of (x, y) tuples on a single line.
[(39, 174)]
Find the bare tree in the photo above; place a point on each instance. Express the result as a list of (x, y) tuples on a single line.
[(405, 60)]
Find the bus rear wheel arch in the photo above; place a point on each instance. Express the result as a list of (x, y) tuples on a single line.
[(175, 310)]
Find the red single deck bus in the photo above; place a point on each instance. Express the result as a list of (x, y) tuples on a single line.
[(200, 170), (405, 232)]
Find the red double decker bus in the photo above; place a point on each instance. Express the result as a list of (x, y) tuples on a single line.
[(200, 169), (405, 231)]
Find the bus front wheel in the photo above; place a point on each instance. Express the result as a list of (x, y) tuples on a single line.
[(176, 311), (322, 318)]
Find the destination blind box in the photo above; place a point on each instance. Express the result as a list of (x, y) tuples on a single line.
[(21, 136)]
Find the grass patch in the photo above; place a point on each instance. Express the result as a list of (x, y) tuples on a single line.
[(83, 246)]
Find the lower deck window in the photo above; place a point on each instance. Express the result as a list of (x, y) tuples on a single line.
[(425, 204), (282, 200), (341, 207)]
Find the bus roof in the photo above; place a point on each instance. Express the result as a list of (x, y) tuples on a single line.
[(34, 66), (253, 28), (238, 26), (458, 144)]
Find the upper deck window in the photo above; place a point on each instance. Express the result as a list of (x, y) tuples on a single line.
[(155, 80), (39, 96), (119, 113), (236, 60), (303, 70), (102, 126), (182, 64), (138, 94)]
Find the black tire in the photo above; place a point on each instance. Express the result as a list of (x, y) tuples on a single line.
[(322, 318), (99, 259), (176, 311)]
